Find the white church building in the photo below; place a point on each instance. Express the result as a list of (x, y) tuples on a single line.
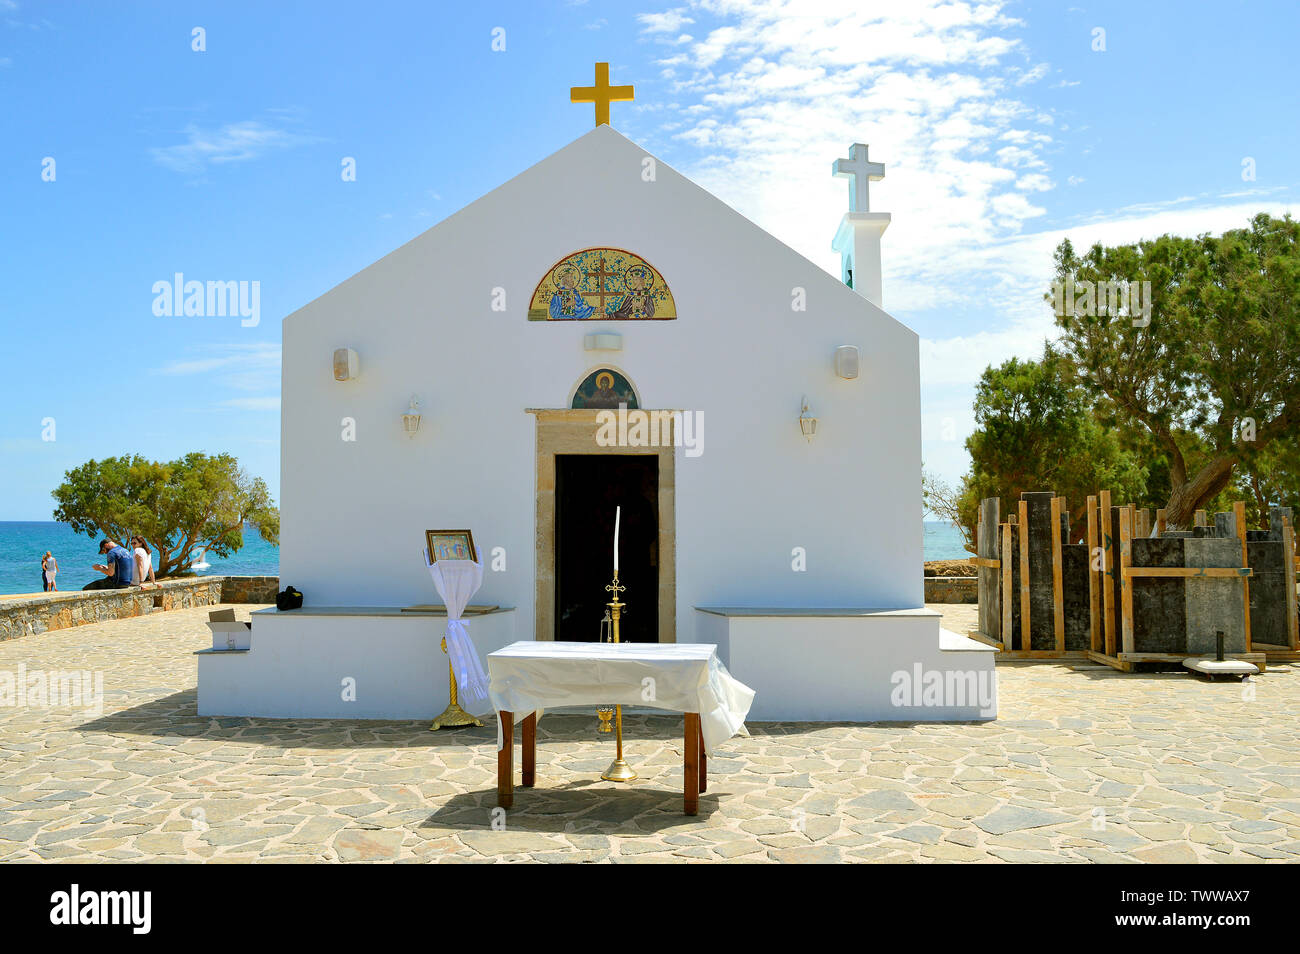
[(776, 513)]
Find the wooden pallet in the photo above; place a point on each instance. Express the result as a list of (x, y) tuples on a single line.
[(1127, 662), (986, 640), (1277, 654)]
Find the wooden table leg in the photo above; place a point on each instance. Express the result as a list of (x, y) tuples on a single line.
[(530, 749), (704, 763), (506, 761), (691, 773)]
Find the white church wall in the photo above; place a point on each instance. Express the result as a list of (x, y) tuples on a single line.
[(353, 512)]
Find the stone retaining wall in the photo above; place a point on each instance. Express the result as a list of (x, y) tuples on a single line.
[(951, 589), (249, 589), (39, 614)]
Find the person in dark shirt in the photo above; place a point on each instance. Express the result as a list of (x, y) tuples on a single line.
[(117, 571)]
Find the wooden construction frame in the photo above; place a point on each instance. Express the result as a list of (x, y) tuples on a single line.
[(1025, 643), (1107, 574), (1239, 522), (1058, 588), (1006, 583), (1094, 589), (1110, 532)]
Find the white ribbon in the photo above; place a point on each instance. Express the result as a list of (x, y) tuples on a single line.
[(456, 582)]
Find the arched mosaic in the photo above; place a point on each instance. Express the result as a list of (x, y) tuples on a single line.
[(604, 388), (602, 284)]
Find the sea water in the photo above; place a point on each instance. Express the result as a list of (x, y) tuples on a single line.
[(22, 545)]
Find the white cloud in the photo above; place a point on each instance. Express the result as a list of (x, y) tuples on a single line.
[(254, 403), (669, 21), (770, 91), (251, 369), (260, 356), (233, 142)]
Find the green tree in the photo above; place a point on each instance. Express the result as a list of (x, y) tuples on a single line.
[(1213, 372), (198, 501), (1270, 478), (1038, 429), (944, 501)]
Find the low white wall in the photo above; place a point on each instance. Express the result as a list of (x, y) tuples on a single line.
[(896, 666), (298, 663)]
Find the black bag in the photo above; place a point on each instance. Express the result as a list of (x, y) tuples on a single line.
[(288, 599)]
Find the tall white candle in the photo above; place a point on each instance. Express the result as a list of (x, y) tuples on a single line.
[(617, 513)]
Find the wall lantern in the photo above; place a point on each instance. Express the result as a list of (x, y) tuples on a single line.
[(411, 419), (807, 423)]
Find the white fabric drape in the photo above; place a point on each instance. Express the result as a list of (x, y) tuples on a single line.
[(456, 582), (530, 677)]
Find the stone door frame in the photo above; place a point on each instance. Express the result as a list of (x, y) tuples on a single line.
[(561, 431)]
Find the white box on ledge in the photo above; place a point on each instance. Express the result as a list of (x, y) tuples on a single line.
[(229, 636)]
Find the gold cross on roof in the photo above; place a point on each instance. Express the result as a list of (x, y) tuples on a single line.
[(602, 94)]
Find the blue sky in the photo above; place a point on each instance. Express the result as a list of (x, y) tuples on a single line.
[(1001, 128)]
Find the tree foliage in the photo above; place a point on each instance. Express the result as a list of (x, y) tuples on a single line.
[(1214, 378), (1038, 429), (198, 501), (944, 501)]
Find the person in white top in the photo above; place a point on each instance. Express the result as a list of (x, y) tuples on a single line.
[(49, 570), (143, 562)]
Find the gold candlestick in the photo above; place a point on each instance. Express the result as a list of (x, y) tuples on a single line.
[(619, 770), (453, 717)]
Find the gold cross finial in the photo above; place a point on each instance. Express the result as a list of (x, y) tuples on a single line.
[(602, 94)]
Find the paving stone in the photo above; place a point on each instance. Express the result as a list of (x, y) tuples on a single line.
[(1179, 770), (1015, 818)]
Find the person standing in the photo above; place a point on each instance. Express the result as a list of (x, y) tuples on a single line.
[(143, 562), (49, 569)]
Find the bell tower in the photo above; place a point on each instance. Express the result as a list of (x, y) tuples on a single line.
[(858, 237)]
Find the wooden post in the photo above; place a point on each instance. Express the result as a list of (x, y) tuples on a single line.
[(1162, 525), (1144, 522), (704, 762), (691, 765), (1025, 641), (1107, 572), (1058, 591), (987, 565), (530, 749), (1288, 580), (1199, 519), (1239, 518), (1094, 591), (1004, 636), (1125, 584), (506, 761)]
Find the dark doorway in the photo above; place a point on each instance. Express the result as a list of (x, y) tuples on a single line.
[(587, 489)]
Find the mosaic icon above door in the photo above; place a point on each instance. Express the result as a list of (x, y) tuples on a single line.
[(605, 388), (602, 284)]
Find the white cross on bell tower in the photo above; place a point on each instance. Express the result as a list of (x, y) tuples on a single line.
[(858, 237), (862, 173)]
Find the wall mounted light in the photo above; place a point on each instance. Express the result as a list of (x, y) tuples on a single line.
[(603, 341), (411, 419), (807, 423), (846, 362), (346, 364)]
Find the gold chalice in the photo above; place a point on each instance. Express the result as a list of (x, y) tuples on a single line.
[(606, 714)]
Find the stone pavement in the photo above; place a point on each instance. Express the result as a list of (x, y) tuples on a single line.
[(1082, 766)]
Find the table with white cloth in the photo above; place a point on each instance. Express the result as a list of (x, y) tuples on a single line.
[(528, 677)]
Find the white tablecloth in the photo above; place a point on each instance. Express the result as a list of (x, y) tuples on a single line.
[(531, 676)]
